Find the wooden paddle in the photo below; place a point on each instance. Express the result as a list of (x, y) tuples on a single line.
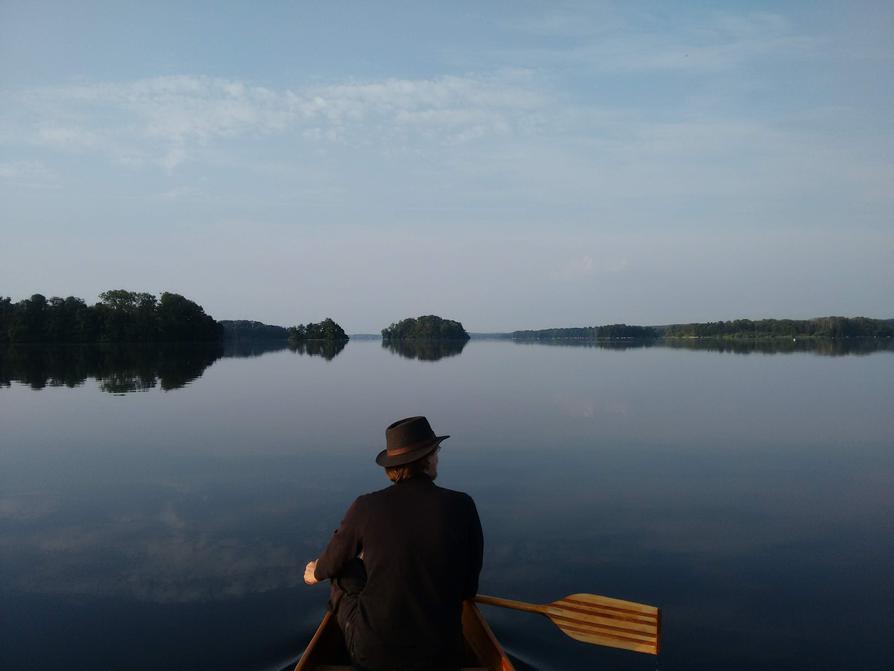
[(597, 619)]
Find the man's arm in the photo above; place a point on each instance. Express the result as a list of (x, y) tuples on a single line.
[(344, 545), (476, 551)]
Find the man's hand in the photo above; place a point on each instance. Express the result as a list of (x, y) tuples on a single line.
[(309, 573)]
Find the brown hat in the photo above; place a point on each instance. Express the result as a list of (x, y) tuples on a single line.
[(408, 440)]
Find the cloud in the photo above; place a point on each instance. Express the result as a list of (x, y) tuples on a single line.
[(27, 174), (577, 268), (165, 119), (718, 42), (66, 138), (580, 268)]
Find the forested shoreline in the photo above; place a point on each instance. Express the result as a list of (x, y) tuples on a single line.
[(608, 332), (122, 316), (820, 327), (119, 317)]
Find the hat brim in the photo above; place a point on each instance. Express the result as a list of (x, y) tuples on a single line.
[(382, 459)]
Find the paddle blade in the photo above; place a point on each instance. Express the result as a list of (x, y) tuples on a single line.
[(605, 621)]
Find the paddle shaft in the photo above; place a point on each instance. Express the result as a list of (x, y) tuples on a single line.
[(510, 603)]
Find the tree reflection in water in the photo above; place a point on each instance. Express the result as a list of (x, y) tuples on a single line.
[(119, 369), (425, 350), (328, 349), (125, 368), (818, 346), (122, 369)]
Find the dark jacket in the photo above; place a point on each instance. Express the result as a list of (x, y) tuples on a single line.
[(422, 549)]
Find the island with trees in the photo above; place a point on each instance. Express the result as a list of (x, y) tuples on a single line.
[(326, 330), (120, 316), (426, 327)]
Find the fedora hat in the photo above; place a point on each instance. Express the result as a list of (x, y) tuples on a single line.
[(408, 440)]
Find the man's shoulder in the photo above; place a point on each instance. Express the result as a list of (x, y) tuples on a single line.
[(456, 495), (432, 489)]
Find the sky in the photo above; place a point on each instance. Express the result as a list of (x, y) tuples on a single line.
[(510, 165)]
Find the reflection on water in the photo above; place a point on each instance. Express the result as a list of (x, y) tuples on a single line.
[(328, 349), (125, 368), (121, 369), (118, 368), (240, 349), (425, 350), (819, 346)]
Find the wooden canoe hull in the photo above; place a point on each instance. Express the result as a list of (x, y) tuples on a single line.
[(327, 652)]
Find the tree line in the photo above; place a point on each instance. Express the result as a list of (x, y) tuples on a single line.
[(609, 331), (821, 327), (119, 316)]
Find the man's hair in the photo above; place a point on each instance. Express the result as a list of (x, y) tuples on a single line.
[(407, 471)]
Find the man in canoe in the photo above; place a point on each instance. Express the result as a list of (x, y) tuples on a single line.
[(403, 560)]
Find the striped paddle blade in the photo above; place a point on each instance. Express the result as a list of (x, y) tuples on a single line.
[(605, 621), (596, 619)]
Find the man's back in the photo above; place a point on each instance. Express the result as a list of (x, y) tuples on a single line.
[(422, 551)]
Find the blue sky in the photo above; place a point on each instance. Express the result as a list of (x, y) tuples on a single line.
[(507, 164)]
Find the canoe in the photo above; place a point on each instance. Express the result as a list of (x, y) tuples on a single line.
[(327, 652)]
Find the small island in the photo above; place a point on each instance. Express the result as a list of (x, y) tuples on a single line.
[(326, 330), (426, 327)]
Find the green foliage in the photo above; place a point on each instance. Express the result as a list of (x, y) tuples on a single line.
[(426, 327), (822, 327), (249, 330), (119, 316), (324, 330), (180, 320), (609, 332)]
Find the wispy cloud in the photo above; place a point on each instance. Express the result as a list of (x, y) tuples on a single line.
[(704, 44), (164, 119), (580, 268), (27, 174)]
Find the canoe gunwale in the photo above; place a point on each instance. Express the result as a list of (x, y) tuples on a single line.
[(323, 647)]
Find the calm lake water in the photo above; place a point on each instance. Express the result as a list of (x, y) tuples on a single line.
[(157, 509)]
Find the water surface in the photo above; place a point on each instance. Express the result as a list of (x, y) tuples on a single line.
[(157, 508)]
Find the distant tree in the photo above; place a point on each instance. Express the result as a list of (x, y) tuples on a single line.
[(324, 330), (29, 322), (119, 316), (251, 330), (623, 331), (127, 316), (823, 327), (608, 332), (7, 316), (182, 320), (426, 327)]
